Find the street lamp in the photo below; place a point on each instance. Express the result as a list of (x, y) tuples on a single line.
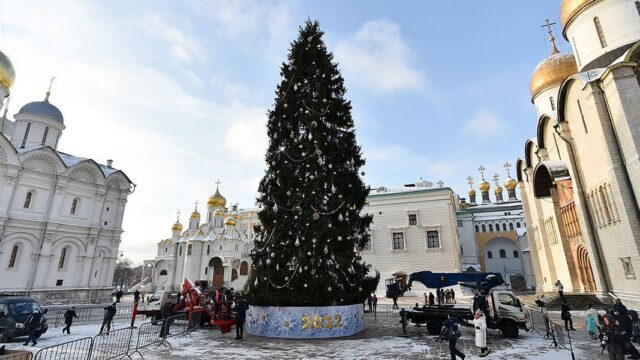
[(121, 270)]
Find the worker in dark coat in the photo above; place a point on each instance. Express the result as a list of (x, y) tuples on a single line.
[(613, 338), (136, 296), (453, 333), (241, 316), (32, 324), (68, 319), (109, 314), (432, 299)]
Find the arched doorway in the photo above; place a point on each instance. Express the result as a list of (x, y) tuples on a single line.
[(217, 271), (585, 271)]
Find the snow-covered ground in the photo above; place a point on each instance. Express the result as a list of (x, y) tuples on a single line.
[(382, 339)]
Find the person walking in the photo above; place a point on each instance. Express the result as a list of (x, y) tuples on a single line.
[(136, 296), (241, 315), (32, 324), (592, 322), (395, 301), (560, 289), (375, 303), (143, 294), (68, 319), (624, 320), (109, 313), (635, 326), (453, 296), (453, 334), (541, 302), (612, 338), (426, 298), (565, 314), (119, 295), (432, 299), (547, 325), (369, 302), (480, 323)]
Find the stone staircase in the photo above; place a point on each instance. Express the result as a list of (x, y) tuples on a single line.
[(577, 301)]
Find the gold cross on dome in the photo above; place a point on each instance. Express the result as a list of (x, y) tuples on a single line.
[(482, 169), (217, 183), (507, 166), (178, 215), (470, 182), (46, 98), (548, 24), (496, 178), (196, 205)]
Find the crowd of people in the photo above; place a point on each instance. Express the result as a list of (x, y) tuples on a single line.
[(446, 296)]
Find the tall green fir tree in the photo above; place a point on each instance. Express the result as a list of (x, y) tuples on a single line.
[(307, 252)]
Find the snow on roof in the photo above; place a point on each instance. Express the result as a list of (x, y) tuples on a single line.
[(70, 160), (590, 75)]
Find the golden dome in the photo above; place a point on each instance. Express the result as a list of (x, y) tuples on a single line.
[(7, 74), (499, 190), (218, 212), (510, 183), (195, 214), (552, 71), (217, 200), (484, 185), (176, 227), (230, 221), (237, 216), (472, 192), (570, 8)]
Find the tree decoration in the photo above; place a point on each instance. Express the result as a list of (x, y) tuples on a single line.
[(314, 152)]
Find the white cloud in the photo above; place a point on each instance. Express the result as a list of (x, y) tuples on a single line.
[(378, 58), (183, 47), (247, 139), (401, 160), (484, 124)]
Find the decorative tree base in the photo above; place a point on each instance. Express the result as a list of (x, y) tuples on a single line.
[(315, 322)]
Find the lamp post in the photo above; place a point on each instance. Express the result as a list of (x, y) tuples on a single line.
[(121, 270)]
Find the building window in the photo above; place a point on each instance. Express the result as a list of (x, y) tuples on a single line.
[(244, 268), (27, 200), (511, 226), (518, 225), (516, 254), (504, 227), (628, 268), (477, 228), (484, 229), (95, 274), (459, 223), (638, 7), (490, 227), (44, 136), (59, 282), (553, 104), (433, 240), (14, 255), (63, 255), (503, 254), (489, 254), (398, 241), (603, 41), (180, 251), (605, 205), (166, 250), (189, 247), (208, 249), (163, 272), (26, 135), (74, 206), (413, 219), (205, 270)]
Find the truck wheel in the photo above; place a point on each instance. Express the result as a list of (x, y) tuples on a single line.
[(434, 326), (509, 329), (3, 336)]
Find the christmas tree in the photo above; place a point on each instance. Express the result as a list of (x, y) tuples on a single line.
[(308, 248)]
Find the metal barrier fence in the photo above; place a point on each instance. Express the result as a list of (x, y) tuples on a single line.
[(70, 350), (530, 317), (151, 333), (22, 355), (559, 339), (178, 322), (93, 314), (113, 345)]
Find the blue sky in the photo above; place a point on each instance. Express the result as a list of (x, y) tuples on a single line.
[(176, 92)]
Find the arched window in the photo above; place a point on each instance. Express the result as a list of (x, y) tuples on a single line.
[(26, 135), (189, 247), (74, 206), (511, 226), (605, 205), (163, 272), (503, 253), (477, 228), (180, 251), (27, 200), (518, 225), (516, 254), (489, 254), (484, 229), (14, 255), (553, 104), (63, 255), (490, 227), (234, 274), (603, 41), (244, 268), (44, 136), (638, 7), (504, 227), (206, 269)]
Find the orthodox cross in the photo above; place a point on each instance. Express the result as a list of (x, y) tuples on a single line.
[(470, 182), (217, 183), (496, 177), (482, 169), (440, 183), (196, 205), (507, 166), (178, 215), (548, 24), (46, 98)]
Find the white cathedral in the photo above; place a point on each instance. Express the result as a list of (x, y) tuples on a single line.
[(60, 215), (216, 250)]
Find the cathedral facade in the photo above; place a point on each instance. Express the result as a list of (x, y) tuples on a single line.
[(60, 214), (580, 174), (216, 249)]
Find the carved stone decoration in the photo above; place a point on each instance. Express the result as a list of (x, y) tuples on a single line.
[(40, 163), (3, 156), (84, 174)]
